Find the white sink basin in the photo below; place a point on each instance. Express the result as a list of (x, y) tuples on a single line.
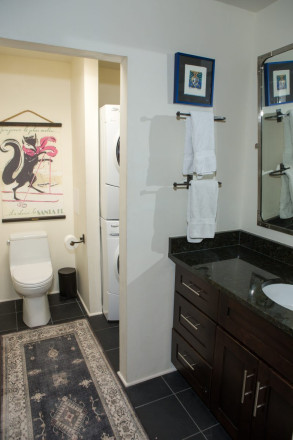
[(280, 293)]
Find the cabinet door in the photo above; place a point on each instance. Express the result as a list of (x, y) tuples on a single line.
[(233, 385), (273, 407)]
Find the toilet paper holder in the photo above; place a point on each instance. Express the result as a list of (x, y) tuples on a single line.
[(82, 240)]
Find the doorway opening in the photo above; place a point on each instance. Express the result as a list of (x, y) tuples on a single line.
[(65, 72)]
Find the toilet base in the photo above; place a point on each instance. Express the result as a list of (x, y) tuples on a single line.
[(36, 311)]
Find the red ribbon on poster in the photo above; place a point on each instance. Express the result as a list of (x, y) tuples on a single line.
[(50, 150)]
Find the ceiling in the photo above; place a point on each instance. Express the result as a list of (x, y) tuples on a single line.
[(249, 5)]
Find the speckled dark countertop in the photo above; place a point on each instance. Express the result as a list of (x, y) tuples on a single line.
[(238, 263)]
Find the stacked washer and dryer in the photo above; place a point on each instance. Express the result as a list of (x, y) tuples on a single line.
[(109, 205)]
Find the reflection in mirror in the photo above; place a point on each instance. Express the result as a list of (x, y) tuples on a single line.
[(275, 140)]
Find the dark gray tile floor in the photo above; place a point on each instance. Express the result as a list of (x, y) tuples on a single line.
[(166, 406)]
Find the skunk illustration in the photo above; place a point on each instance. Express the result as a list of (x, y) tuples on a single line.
[(26, 162)]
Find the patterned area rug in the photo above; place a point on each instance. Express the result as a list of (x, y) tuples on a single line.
[(57, 384)]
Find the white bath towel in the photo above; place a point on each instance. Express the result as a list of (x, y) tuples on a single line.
[(286, 197), (288, 139), (199, 148), (202, 210)]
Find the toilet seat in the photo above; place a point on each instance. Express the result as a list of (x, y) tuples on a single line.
[(32, 275)]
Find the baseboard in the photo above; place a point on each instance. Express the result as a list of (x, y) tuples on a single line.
[(57, 293), (85, 307), (144, 379), (83, 303)]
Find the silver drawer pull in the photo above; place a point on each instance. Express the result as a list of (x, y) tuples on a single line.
[(256, 406), (245, 393), (186, 361), (189, 322), (192, 290), (114, 234)]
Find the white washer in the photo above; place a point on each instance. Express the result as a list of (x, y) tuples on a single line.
[(110, 268), (110, 161)]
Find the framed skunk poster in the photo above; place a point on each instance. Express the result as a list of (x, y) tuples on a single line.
[(31, 171)]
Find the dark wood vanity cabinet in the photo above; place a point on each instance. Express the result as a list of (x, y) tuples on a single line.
[(239, 364), (248, 397)]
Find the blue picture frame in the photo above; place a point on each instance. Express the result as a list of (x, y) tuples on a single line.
[(193, 80), (278, 82)]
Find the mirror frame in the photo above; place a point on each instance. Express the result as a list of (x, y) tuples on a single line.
[(260, 87)]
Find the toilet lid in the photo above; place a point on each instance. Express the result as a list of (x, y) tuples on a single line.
[(31, 274)]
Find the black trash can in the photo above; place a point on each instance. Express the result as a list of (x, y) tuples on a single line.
[(67, 282)]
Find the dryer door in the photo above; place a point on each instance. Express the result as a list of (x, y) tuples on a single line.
[(116, 264), (113, 153)]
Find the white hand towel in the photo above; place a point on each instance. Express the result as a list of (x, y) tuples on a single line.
[(199, 149), (286, 198), (202, 210)]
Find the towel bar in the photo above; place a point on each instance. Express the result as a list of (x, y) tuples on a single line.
[(277, 117), (187, 184), (280, 172), (180, 115)]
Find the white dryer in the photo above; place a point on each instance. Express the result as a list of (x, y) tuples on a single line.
[(110, 161), (110, 268)]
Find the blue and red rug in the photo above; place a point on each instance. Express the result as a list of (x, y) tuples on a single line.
[(57, 385)]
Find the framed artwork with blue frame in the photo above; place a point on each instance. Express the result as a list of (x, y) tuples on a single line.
[(194, 80), (278, 81)]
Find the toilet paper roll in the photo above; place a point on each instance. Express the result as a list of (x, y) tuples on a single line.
[(68, 239)]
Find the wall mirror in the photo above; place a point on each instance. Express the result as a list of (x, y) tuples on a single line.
[(275, 140)]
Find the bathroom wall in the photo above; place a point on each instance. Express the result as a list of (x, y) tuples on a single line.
[(152, 210), (85, 145), (109, 83), (41, 85), (273, 30)]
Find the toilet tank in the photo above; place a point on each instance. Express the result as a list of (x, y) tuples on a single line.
[(29, 248)]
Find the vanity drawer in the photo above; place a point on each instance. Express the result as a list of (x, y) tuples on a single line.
[(269, 342), (198, 330), (198, 292), (192, 366)]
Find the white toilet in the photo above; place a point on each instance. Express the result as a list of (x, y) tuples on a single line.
[(32, 274)]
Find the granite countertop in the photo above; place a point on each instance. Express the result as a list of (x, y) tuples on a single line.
[(239, 272)]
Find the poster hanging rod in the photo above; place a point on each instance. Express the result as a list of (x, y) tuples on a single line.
[(30, 124), (48, 123)]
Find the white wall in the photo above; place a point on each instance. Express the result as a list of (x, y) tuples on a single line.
[(148, 34), (85, 144), (273, 30), (44, 87), (109, 83), (91, 117)]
